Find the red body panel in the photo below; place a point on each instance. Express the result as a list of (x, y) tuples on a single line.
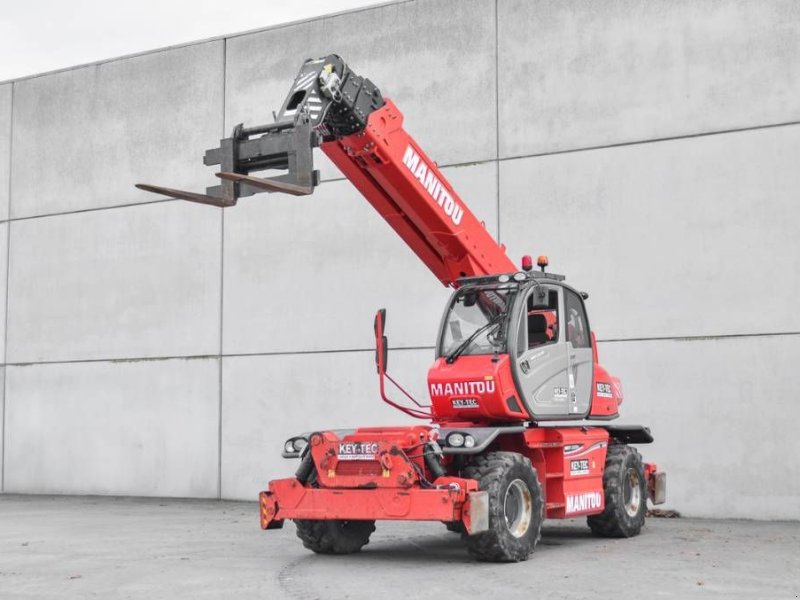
[(606, 390), (572, 461), (606, 394), (373, 457), (474, 388)]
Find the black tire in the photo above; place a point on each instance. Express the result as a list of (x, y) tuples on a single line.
[(454, 526), (625, 491), (516, 508), (334, 536)]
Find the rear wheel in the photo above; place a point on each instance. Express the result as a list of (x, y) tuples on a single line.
[(334, 536), (625, 491), (515, 507)]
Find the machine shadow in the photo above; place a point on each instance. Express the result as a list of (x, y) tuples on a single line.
[(447, 548)]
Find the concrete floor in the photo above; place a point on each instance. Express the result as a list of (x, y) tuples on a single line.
[(92, 547)]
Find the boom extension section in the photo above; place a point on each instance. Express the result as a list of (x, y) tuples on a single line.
[(362, 132)]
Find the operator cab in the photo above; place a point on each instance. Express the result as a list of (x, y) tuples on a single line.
[(552, 358), (529, 333)]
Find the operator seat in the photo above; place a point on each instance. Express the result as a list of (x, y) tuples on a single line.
[(537, 330)]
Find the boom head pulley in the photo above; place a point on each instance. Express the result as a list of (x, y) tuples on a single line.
[(326, 101)]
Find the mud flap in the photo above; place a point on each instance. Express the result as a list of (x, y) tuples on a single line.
[(475, 513), (657, 487)]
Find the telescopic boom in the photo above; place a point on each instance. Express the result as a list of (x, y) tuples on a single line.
[(362, 132)]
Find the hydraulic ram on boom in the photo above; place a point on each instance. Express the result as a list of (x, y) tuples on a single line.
[(514, 351), (362, 133)]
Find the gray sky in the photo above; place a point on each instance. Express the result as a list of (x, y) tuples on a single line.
[(53, 34)]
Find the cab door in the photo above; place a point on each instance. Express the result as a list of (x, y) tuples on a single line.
[(541, 358), (579, 353)]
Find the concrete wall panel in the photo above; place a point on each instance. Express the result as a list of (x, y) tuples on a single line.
[(145, 428), (434, 59), (82, 138), (5, 146), (4, 227), (267, 399), (308, 273), (134, 282), (686, 240), (682, 238), (724, 414), (2, 427), (581, 73)]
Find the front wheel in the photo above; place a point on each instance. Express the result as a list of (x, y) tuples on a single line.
[(625, 491), (515, 507)]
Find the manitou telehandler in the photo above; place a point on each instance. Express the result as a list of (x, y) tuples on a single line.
[(514, 353)]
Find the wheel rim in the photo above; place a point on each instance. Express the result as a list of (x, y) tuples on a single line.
[(518, 508), (633, 493)]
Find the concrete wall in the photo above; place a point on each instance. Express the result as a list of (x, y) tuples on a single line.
[(159, 348)]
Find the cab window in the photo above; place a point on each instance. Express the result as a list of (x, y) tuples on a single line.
[(539, 324), (476, 320), (577, 325)]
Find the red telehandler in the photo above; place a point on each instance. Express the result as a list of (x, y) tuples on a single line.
[(516, 366)]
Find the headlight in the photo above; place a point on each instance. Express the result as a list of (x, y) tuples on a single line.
[(456, 440), (294, 446), (469, 441)]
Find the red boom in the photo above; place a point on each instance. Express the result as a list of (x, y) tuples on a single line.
[(414, 197)]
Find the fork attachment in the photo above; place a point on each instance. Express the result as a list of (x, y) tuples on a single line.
[(284, 146), (327, 101)]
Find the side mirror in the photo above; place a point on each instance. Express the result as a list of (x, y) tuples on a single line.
[(381, 342)]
